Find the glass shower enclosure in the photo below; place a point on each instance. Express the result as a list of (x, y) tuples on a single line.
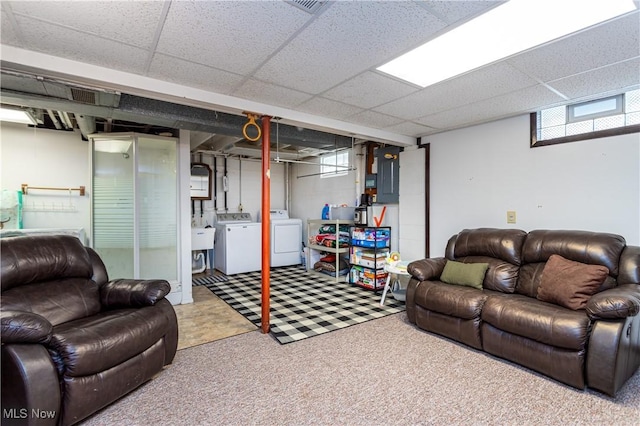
[(135, 205)]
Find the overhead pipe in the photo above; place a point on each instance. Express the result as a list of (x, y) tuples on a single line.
[(225, 182), (64, 119), (215, 184), (86, 124), (53, 117), (266, 222), (201, 201), (150, 111)]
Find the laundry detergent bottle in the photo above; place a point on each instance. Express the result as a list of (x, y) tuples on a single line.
[(325, 212)]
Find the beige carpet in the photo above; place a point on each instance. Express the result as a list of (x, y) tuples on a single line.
[(208, 319), (382, 372)]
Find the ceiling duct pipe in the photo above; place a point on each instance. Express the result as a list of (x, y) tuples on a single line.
[(134, 108), (66, 120), (86, 124), (53, 118)]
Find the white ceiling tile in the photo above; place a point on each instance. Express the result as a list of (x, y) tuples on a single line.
[(484, 83), (453, 11), (612, 78), (369, 89), (328, 108), (131, 22), (239, 48), (266, 92), (519, 102), (53, 40), (374, 119), (348, 38), (7, 31), (176, 70), (410, 128), (235, 36), (605, 44)]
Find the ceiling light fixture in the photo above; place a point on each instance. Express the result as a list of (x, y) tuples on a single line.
[(17, 116), (512, 27)]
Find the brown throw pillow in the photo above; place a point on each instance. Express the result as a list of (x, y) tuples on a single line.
[(568, 283)]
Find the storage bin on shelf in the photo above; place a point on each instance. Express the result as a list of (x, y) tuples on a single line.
[(370, 237), (368, 258), (369, 278), (367, 254)]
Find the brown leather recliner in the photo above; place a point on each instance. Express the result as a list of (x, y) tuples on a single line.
[(73, 341), (597, 346)]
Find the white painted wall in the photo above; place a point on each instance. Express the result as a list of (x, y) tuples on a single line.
[(480, 172), (310, 192), (412, 204), (245, 187), (47, 158)]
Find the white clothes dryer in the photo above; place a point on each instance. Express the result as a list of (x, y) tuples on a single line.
[(286, 239)]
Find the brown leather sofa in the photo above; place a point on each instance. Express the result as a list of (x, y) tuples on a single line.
[(73, 341), (596, 345)]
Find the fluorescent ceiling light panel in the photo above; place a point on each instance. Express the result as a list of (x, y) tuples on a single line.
[(16, 116), (512, 27)]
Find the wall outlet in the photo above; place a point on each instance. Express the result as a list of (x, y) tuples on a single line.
[(511, 216)]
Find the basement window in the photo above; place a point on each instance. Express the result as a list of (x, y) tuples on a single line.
[(334, 164), (610, 116)]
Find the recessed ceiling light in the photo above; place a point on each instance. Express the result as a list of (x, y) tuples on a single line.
[(512, 27), (16, 116)]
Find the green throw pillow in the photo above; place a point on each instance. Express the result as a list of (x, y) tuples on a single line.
[(467, 274)]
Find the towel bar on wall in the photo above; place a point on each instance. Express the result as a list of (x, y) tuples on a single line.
[(26, 188)]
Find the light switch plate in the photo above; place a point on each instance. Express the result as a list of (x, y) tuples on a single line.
[(511, 216)]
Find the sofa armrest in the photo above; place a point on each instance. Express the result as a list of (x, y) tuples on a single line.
[(619, 302), (24, 327), (130, 293), (30, 384), (427, 269)]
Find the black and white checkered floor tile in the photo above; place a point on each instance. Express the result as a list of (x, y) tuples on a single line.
[(210, 279), (303, 304)]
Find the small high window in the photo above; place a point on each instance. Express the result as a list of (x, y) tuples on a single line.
[(613, 115), (334, 164)]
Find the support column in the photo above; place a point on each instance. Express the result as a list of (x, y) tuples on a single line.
[(266, 222)]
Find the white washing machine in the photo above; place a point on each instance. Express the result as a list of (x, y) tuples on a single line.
[(238, 243), (286, 239)]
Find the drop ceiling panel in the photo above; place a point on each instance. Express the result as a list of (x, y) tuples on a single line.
[(328, 108), (7, 31), (453, 11), (484, 83), (514, 103), (374, 119), (604, 44), (270, 93), (53, 40), (410, 128), (348, 38), (235, 36), (179, 71), (370, 89), (613, 78), (320, 64), (133, 23)]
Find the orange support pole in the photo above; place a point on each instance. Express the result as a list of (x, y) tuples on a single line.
[(266, 222)]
